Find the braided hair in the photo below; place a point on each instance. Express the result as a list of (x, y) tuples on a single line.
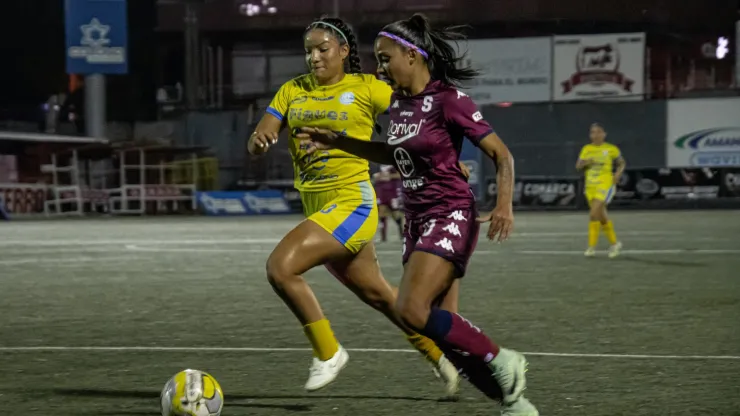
[(345, 36)]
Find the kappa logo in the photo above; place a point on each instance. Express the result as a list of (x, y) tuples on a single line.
[(453, 229), (395, 104), (461, 94), (446, 244)]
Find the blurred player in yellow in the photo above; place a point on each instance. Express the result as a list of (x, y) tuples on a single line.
[(599, 160), (338, 199)]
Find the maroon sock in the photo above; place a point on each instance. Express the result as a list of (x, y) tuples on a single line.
[(457, 332)]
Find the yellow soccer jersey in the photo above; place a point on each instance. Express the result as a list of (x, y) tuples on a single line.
[(350, 106), (601, 172)]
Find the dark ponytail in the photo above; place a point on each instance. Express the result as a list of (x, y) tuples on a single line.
[(352, 64), (444, 61)]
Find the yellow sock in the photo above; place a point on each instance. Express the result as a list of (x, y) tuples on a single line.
[(325, 345), (608, 229), (593, 233), (426, 346)]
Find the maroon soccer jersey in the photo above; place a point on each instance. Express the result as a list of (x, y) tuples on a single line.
[(426, 133)]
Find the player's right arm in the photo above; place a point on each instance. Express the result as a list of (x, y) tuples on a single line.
[(378, 152), (582, 162), (321, 139), (267, 130)]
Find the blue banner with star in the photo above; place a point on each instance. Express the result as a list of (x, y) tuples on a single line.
[(96, 36)]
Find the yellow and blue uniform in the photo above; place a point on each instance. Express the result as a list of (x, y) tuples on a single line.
[(600, 173), (334, 185)]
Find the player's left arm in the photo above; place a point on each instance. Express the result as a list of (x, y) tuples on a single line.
[(620, 164), (462, 113)]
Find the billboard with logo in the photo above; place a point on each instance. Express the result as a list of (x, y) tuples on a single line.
[(588, 67), (512, 70), (96, 36), (540, 192), (223, 203), (703, 132)]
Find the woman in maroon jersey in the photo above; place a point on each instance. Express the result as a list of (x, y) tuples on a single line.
[(429, 119)]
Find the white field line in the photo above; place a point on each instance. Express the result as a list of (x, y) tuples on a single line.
[(143, 248), (65, 260), (202, 241), (368, 350)]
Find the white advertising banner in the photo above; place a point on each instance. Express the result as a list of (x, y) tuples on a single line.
[(512, 70), (703, 132), (588, 67)]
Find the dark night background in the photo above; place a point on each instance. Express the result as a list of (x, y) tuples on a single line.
[(33, 64)]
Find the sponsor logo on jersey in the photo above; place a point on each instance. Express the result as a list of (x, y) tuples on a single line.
[(309, 115), (400, 132), (404, 162)]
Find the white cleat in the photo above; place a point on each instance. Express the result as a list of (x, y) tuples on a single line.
[(590, 252), (509, 368), (615, 249), (322, 373), (446, 371), (521, 407)]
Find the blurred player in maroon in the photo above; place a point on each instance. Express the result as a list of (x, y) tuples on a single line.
[(429, 119), (387, 183)]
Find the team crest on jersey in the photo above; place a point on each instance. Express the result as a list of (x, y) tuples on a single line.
[(347, 98)]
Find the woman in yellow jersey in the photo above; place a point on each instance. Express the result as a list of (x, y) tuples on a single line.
[(598, 160), (338, 199)]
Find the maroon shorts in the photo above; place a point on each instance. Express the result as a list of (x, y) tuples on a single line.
[(452, 236)]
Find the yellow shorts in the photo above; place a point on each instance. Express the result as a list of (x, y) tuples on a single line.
[(348, 213), (600, 193)]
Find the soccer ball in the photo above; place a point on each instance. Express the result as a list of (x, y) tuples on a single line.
[(192, 393)]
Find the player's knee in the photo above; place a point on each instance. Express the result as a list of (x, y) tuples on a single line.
[(278, 273), (412, 313), (378, 300), (595, 214)]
